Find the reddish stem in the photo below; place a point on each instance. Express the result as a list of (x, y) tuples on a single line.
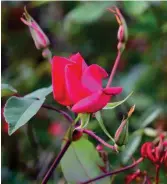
[(56, 162), (114, 172), (67, 116), (90, 133), (114, 69), (157, 174)]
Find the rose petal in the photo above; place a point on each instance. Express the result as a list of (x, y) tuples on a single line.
[(73, 84), (149, 150), (92, 103), (92, 77), (78, 59), (58, 80), (113, 90)]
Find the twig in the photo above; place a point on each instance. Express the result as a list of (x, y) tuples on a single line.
[(157, 174), (56, 162), (67, 116), (114, 69), (90, 133), (114, 172)]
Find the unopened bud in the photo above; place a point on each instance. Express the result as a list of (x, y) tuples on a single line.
[(122, 34), (122, 133), (39, 37), (76, 135)]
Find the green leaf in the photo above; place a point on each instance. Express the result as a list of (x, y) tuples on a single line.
[(39, 3), (85, 13), (81, 162), (136, 8), (18, 111), (84, 120), (7, 90), (149, 116), (88, 12), (40, 93), (141, 101), (115, 104), (131, 147), (100, 120)]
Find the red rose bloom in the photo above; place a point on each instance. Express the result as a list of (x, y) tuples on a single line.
[(80, 86)]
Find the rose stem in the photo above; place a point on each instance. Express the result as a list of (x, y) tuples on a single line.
[(114, 69), (157, 174), (56, 162), (67, 116), (90, 133), (114, 172)]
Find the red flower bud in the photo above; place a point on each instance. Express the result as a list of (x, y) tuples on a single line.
[(76, 135), (131, 177), (138, 176), (80, 86), (39, 37), (157, 154)]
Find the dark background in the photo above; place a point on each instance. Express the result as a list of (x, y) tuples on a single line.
[(88, 28)]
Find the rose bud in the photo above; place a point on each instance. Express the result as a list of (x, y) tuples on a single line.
[(39, 37), (122, 34), (78, 85), (122, 133), (76, 135)]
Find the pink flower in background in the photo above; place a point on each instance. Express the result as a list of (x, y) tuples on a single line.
[(5, 127), (4, 123), (157, 154), (137, 177), (56, 129), (132, 177), (78, 85)]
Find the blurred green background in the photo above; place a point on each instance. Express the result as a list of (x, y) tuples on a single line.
[(88, 28)]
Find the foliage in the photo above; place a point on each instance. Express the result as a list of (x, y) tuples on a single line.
[(88, 28)]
